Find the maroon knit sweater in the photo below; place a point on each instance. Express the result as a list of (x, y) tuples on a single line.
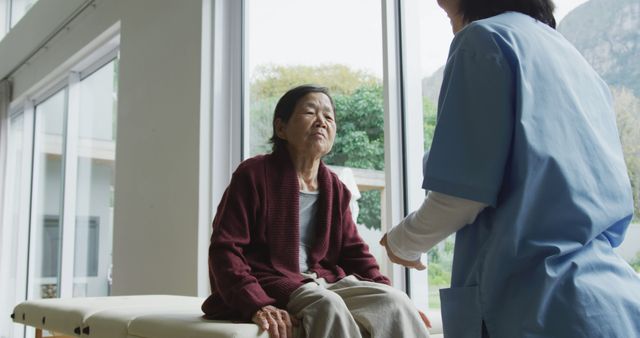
[(253, 256)]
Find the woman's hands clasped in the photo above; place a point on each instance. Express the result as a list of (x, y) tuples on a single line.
[(279, 323)]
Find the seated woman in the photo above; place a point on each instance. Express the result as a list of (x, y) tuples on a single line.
[(285, 249)]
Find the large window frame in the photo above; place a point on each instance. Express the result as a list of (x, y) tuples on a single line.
[(68, 77), (69, 82), (5, 17), (9, 20), (221, 117), (403, 114), (26, 112)]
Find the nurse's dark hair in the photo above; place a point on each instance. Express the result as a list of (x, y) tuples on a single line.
[(287, 104), (541, 10)]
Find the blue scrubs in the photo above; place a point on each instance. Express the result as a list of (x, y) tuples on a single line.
[(526, 126)]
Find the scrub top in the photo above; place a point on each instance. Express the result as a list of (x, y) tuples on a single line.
[(526, 126)]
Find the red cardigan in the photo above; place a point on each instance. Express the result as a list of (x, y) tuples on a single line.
[(253, 256)]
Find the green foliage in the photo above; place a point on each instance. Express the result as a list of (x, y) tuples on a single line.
[(359, 116), (627, 107), (440, 260), (274, 80), (635, 263), (439, 275), (261, 116), (358, 95), (429, 110), (360, 142), (360, 135), (369, 204)]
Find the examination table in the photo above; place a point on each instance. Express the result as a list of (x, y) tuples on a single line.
[(149, 316)]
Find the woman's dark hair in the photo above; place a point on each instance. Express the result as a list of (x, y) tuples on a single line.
[(541, 10), (286, 105)]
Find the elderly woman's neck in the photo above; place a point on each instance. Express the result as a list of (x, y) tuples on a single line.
[(307, 169)]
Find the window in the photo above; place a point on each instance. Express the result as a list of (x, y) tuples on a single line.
[(95, 158), (47, 197), (11, 11), (13, 246), (282, 50), (4, 18), (61, 194), (345, 55), (612, 59), (19, 8), (436, 35)]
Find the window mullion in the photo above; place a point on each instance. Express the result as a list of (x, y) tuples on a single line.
[(413, 130), (25, 185), (34, 200), (24, 265), (67, 257), (393, 197), (221, 123)]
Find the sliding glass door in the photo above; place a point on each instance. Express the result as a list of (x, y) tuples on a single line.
[(47, 196)]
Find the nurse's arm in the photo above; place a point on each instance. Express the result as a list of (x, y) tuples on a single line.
[(416, 264), (439, 216)]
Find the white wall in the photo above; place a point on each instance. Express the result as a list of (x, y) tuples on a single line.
[(156, 191), (155, 239), (31, 30), (63, 49)]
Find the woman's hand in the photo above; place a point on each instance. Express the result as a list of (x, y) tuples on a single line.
[(277, 321), (417, 264)]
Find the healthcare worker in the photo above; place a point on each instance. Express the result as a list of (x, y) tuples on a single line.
[(526, 165)]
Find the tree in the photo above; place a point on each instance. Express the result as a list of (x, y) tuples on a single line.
[(360, 135), (270, 82), (261, 115), (627, 108), (635, 263), (429, 111), (360, 142), (274, 80), (359, 116)]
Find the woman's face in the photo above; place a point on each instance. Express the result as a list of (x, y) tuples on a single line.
[(452, 7), (311, 129)]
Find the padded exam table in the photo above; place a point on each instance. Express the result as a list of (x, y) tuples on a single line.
[(149, 316)]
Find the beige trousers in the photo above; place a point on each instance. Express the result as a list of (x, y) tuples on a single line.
[(351, 308)]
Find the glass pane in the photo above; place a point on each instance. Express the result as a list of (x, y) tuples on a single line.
[(4, 10), (47, 198), (95, 181), (436, 36), (344, 55), (15, 211), (617, 64), (19, 8)]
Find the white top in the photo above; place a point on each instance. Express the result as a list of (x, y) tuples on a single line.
[(439, 216), (308, 212)]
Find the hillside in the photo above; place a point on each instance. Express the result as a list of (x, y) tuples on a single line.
[(606, 32)]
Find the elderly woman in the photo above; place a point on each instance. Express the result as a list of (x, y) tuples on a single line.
[(284, 247)]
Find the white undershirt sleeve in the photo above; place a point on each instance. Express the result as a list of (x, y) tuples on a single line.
[(439, 216)]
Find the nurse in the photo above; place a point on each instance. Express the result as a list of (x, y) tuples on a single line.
[(526, 166)]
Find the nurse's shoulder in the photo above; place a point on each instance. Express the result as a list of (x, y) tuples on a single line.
[(502, 35), (481, 37)]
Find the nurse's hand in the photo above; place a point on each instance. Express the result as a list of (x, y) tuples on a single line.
[(417, 264)]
